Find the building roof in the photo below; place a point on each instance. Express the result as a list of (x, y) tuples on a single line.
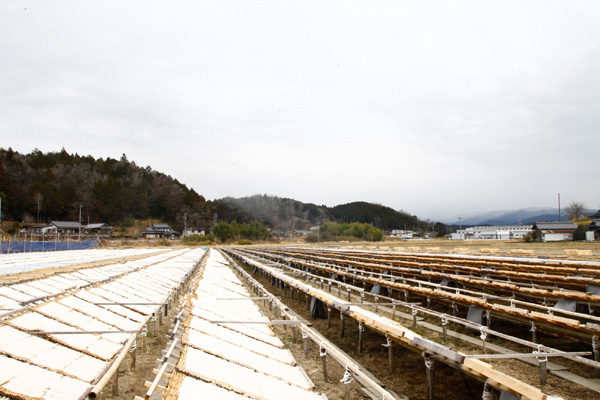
[(555, 226), (66, 224), (160, 229), (98, 226), (34, 227), (594, 224)]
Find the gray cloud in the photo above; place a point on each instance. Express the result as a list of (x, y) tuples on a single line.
[(439, 109)]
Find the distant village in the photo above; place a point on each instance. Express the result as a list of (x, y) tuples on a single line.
[(74, 230), (539, 231)]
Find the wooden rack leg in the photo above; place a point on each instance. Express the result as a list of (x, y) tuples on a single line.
[(324, 358), (133, 358), (305, 340), (115, 384), (543, 372), (361, 328), (391, 358), (596, 349), (445, 328), (429, 375), (343, 324), (329, 317)]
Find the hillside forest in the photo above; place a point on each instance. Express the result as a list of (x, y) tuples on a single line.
[(41, 187), (289, 214)]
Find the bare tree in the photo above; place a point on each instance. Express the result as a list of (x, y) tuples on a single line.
[(574, 210), (38, 200)]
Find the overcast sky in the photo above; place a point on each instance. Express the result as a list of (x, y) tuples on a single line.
[(440, 108)]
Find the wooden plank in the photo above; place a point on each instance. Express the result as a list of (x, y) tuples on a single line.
[(436, 349), (512, 384), (154, 387)]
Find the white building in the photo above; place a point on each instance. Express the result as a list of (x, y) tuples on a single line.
[(193, 231), (400, 233), (554, 231), (504, 232)]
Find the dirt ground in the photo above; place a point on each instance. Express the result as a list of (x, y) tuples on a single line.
[(131, 380)]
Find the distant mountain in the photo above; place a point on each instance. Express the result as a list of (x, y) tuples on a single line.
[(284, 213), (514, 217), (524, 216)]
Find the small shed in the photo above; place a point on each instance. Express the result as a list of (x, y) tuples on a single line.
[(554, 231), (100, 229), (594, 228)]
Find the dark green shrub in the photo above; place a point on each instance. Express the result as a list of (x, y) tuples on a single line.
[(579, 233)]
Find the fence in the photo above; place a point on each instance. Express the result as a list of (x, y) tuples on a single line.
[(26, 247)]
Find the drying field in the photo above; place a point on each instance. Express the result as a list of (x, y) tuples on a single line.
[(492, 311), (64, 335), (301, 322)]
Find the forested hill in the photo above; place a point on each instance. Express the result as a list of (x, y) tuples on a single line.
[(380, 216), (40, 187), (284, 213), (281, 213)]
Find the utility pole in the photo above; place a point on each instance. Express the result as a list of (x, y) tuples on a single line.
[(318, 232), (80, 207), (184, 223), (460, 226), (559, 207)]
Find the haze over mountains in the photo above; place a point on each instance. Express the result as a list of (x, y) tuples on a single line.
[(40, 187), (513, 217)]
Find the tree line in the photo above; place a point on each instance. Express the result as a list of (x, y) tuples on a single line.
[(332, 231), (41, 187), (284, 213)]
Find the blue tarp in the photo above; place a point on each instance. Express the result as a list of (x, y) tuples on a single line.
[(26, 247)]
